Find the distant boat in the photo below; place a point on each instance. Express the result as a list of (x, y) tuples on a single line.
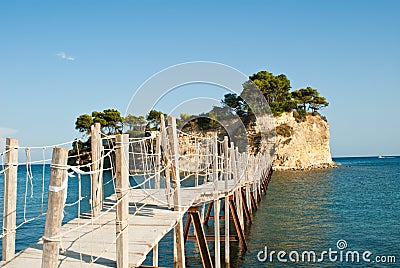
[(380, 156)]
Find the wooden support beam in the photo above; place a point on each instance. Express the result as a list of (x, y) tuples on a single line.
[(146, 266), (55, 205), (210, 238), (208, 213), (239, 228), (258, 194), (96, 178), (253, 201), (194, 214), (263, 187), (248, 200), (245, 207), (10, 199), (187, 227), (122, 191), (221, 217)]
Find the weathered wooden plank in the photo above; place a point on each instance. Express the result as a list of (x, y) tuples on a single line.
[(55, 206), (10, 199), (122, 191), (96, 178)]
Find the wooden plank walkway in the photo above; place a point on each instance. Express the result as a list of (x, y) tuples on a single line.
[(147, 227)]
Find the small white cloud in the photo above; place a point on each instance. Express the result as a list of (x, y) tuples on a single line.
[(4, 133), (64, 56)]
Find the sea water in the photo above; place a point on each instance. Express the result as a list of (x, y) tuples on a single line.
[(356, 205)]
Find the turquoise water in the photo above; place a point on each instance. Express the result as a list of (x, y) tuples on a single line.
[(359, 202), (35, 203)]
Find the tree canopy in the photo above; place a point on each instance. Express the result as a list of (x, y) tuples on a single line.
[(135, 123), (277, 91), (83, 123), (110, 120), (309, 99), (153, 119)]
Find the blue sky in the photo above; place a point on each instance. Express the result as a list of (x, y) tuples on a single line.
[(348, 50)]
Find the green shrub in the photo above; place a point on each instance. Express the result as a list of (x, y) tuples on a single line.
[(300, 115), (284, 130)]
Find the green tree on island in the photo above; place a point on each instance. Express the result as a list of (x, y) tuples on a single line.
[(83, 123), (153, 119), (277, 91), (110, 120), (275, 88), (135, 123), (309, 99)]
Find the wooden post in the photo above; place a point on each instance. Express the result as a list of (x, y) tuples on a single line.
[(164, 142), (55, 206), (97, 179), (237, 193), (207, 153), (248, 184), (226, 162), (155, 255), (176, 182), (10, 199), (197, 160), (157, 161), (215, 166), (233, 163), (217, 253), (226, 203), (227, 246), (239, 204), (122, 191), (176, 186), (217, 243)]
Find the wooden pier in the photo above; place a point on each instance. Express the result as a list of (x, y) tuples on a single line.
[(124, 228)]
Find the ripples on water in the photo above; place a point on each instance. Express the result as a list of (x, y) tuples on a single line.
[(311, 210), (303, 210)]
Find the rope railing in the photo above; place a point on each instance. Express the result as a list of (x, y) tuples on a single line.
[(157, 166)]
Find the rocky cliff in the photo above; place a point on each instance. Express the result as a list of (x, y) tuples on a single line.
[(302, 145)]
